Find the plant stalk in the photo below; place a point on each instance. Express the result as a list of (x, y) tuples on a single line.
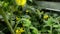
[(7, 22)]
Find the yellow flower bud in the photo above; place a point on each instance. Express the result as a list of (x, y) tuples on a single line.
[(17, 18), (19, 31), (45, 16)]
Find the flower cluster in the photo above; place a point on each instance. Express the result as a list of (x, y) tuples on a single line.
[(19, 31)]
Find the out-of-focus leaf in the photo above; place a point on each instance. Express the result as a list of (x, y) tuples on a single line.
[(26, 22), (58, 18), (34, 30), (12, 23), (30, 0), (1, 32), (56, 26), (50, 21)]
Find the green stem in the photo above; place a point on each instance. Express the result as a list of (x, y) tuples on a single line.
[(26, 30), (7, 22), (11, 17), (51, 29), (16, 25), (58, 28)]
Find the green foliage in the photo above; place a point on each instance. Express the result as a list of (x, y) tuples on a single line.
[(30, 18)]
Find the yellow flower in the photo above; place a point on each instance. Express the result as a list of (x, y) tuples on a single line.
[(19, 31), (45, 16), (21, 2), (17, 18)]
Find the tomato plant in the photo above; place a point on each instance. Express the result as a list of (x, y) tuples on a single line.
[(25, 17)]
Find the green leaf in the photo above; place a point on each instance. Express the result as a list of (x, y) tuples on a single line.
[(56, 26), (50, 21), (12, 23), (30, 0), (34, 30), (26, 22)]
